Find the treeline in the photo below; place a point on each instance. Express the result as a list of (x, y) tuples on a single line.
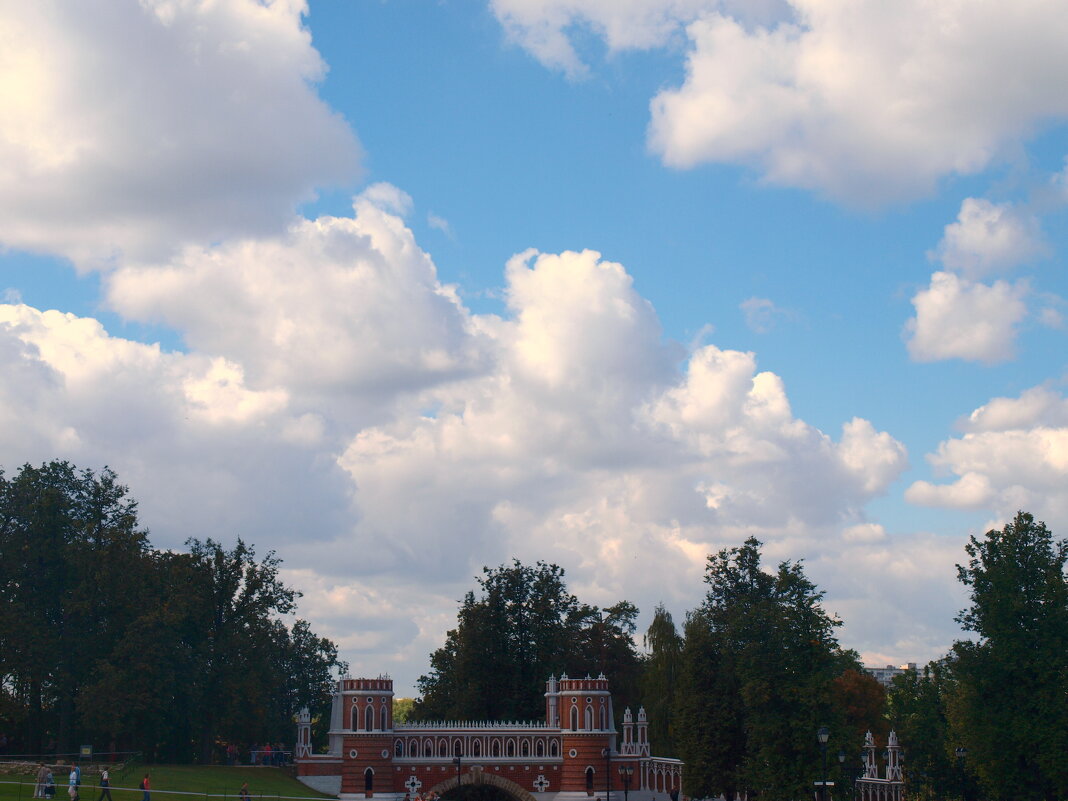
[(105, 640), (740, 692)]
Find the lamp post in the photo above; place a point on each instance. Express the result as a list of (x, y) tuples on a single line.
[(456, 762), (841, 765), (607, 754), (626, 773), (822, 735), (962, 756)]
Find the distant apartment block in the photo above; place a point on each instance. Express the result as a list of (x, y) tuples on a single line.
[(884, 675)]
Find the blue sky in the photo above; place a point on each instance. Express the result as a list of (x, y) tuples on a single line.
[(828, 235)]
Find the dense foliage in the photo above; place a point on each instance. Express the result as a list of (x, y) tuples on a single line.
[(104, 640), (522, 627)]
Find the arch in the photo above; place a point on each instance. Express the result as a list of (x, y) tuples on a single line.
[(398, 748), (539, 747), (354, 722), (369, 718), (509, 747), (588, 718), (589, 780), (369, 780), (477, 777), (428, 747), (495, 747), (443, 748), (476, 748), (457, 747), (604, 719), (574, 718), (524, 747), (413, 748), (384, 717), (554, 748)]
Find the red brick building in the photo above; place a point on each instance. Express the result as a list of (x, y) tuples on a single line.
[(572, 756)]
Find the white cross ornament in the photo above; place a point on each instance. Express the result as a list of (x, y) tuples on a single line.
[(413, 784), (541, 783)]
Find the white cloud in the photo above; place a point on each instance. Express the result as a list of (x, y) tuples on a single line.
[(865, 102), (1013, 455), (959, 319), (128, 128), (337, 309), (989, 237), (762, 315)]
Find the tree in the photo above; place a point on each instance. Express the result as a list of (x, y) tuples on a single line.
[(770, 638), (660, 679), (523, 626), (917, 708), (1011, 700)]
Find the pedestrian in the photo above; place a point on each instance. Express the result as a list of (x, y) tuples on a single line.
[(50, 785), (72, 785), (145, 788), (39, 786), (243, 792), (105, 786)]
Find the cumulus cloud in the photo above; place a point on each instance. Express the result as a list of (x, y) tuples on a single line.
[(961, 319), (329, 369), (989, 237), (128, 128), (1012, 455), (345, 309)]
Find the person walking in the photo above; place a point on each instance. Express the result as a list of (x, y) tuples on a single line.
[(146, 787), (243, 792), (105, 786), (50, 785), (39, 785), (72, 784)]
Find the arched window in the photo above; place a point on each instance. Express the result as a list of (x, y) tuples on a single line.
[(457, 748), (413, 749), (589, 718), (354, 723), (589, 781), (368, 781), (369, 718), (524, 748), (443, 748), (384, 716), (574, 718), (509, 748), (428, 749), (495, 748), (554, 749), (539, 748), (604, 719), (398, 748), (476, 748)]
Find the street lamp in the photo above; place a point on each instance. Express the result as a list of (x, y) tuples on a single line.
[(607, 754), (626, 772), (456, 762), (822, 735), (841, 765)]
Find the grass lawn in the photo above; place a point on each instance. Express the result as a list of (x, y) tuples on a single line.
[(175, 783)]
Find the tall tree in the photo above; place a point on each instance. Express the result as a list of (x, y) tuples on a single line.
[(523, 626), (1011, 704), (917, 708), (660, 679), (771, 635)]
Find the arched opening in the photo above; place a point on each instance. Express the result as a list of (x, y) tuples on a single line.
[(588, 718), (476, 748), (480, 786), (428, 748), (574, 718), (604, 719), (457, 748), (539, 748), (589, 781), (524, 748), (369, 718), (415, 748), (443, 749), (354, 722), (495, 748), (368, 781), (509, 748), (398, 748), (554, 749)]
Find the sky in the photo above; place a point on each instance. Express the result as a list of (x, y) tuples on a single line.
[(404, 288)]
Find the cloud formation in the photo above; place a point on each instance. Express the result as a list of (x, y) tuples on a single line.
[(129, 128), (862, 102)]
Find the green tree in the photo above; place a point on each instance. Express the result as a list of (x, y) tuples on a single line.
[(660, 679), (771, 638), (522, 627), (1011, 700), (917, 708)]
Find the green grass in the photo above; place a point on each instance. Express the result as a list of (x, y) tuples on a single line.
[(170, 780)]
